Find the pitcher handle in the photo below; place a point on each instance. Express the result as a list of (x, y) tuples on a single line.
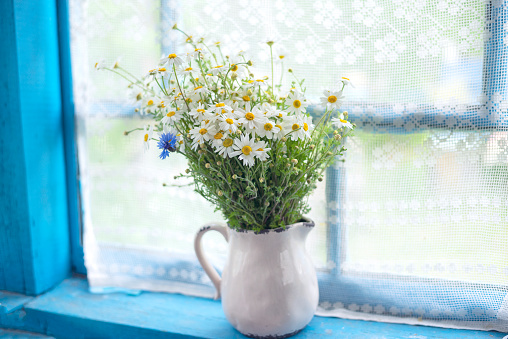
[(207, 267)]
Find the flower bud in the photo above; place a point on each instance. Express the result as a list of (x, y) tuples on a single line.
[(125, 133), (164, 184), (207, 165), (240, 196), (249, 63), (219, 193), (294, 161), (320, 179), (284, 139), (187, 171), (335, 132), (174, 27), (234, 76), (345, 114), (234, 176), (219, 163), (312, 147), (290, 70), (261, 180), (136, 110), (267, 203), (329, 153), (202, 146), (200, 152), (337, 137), (308, 181)]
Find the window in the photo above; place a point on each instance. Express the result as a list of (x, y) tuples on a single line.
[(416, 212)]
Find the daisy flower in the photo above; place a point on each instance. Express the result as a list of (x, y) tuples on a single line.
[(220, 107), (345, 81), (245, 148), (250, 118), (257, 82), (199, 113), (217, 139), (341, 122), (237, 65), (147, 136), (201, 90), (296, 102), (298, 127), (268, 129), (261, 151), (101, 65), (172, 116), (185, 71), (228, 122), (226, 148), (200, 134), (331, 99), (217, 69), (170, 60)]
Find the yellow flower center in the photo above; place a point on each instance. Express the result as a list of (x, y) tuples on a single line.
[(230, 121), (162, 69), (260, 149), (188, 39), (246, 149), (172, 56), (343, 121), (345, 78), (200, 110), (218, 136), (170, 114), (305, 127), (220, 104), (234, 68), (279, 126), (260, 80), (332, 99), (149, 103), (246, 98), (227, 143), (146, 137), (188, 69), (281, 57), (219, 66), (199, 87), (268, 126), (295, 127), (249, 116), (297, 103), (203, 131)]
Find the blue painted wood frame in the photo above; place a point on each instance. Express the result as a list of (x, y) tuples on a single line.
[(34, 233), (71, 159)]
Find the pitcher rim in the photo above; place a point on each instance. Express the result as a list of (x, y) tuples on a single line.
[(304, 221)]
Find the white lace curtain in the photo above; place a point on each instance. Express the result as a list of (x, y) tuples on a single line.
[(412, 227)]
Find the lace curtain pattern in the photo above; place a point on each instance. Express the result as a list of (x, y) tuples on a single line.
[(412, 226)]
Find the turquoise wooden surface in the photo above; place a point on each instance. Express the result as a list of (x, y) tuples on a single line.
[(69, 133), (34, 235), (15, 334), (13, 198), (10, 301), (71, 311)]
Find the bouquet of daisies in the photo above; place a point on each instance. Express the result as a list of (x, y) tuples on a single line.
[(252, 151)]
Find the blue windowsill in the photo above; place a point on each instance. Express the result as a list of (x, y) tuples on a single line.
[(71, 311)]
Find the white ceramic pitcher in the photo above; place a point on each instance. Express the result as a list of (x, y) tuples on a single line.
[(269, 286)]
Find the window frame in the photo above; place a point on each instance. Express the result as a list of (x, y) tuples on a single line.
[(330, 278)]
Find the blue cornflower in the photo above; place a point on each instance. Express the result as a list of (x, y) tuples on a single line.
[(167, 143)]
